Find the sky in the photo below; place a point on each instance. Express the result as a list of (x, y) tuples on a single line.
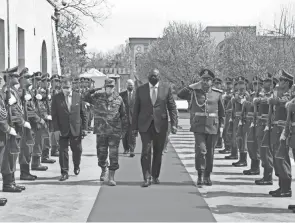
[(148, 18)]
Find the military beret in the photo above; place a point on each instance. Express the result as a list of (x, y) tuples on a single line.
[(207, 73), (217, 80), (109, 82), (285, 76)]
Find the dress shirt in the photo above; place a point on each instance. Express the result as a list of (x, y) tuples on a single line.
[(152, 88)]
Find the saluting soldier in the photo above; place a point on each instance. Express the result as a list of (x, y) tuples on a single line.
[(207, 115), (279, 111), (5, 130), (110, 125), (226, 97), (40, 127), (249, 115), (17, 118), (217, 83)]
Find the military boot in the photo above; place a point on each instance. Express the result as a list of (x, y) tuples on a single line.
[(36, 164), (242, 161), (231, 157), (267, 178), (55, 151), (8, 185), (25, 172), (112, 181), (200, 181), (3, 201), (16, 185), (225, 151), (254, 170), (207, 180), (285, 189), (272, 192), (103, 175)]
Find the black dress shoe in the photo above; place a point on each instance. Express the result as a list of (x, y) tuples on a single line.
[(64, 177), (20, 186), (263, 182), (132, 154), (282, 193), (29, 177), (156, 181), (146, 183), (47, 160), (39, 168), (240, 163), (251, 172), (200, 181), (77, 171), (291, 207), (231, 157), (207, 181), (274, 191), (55, 154), (3, 201), (11, 189)]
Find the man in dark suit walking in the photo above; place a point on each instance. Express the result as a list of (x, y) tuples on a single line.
[(150, 118), (128, 96), (70, 120)]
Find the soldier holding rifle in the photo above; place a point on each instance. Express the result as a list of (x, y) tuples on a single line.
[(16, 120)]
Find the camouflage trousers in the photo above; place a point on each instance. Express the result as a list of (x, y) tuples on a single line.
[(106, 144)]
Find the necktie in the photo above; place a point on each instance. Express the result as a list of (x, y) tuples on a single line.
[(129, 97), (154, 96), (68, 101)]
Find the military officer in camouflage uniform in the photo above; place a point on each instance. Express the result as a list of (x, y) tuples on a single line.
[(110, 125), (207, 115)]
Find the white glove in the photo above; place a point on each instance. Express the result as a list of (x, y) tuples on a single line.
[(49, 117), (243, 100), (230, 120), (240, 122), (12, 131), (87, 104), (12, 100), (28, 97), (221, 131), (27, 125), (266, 128), (283, 137), (49, 97), (39, 97), (252, 125), (255, 100)]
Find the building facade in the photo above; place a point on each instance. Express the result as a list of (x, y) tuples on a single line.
[(27, 36)]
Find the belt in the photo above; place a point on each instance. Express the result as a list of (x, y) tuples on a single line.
[(279, 122), (206, 114), (238, 113)]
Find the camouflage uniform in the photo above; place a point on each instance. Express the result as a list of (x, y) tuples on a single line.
[(110, 124)]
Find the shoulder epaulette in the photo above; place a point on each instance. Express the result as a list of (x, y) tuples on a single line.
[(218, 90)]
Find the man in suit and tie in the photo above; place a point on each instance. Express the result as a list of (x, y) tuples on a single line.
[(70, 120), (128, 96), (150, 119)]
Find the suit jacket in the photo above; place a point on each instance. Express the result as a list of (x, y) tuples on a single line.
[(145, 112), (128, 105), (64, 120)]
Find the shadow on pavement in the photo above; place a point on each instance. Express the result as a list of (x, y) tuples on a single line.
[(234, 183), (227, 173), (248, 179), (95, 182), (138, 183), (227, 209), (223, 165), (233, 194)]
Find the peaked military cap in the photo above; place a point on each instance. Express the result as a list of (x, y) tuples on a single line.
[(37, 75), (285, 76), (45, 77), (12, 72), (109, 82), (82, 79), (241, 79), (228, 80), (207, 73), (55, 77), (25, 73), (217, 80)]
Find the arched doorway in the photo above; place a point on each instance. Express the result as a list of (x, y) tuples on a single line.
[(44, 58)]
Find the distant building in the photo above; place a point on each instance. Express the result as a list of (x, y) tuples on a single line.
[(32, 40)]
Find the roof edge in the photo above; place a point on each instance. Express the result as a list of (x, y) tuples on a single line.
[(52, 3)]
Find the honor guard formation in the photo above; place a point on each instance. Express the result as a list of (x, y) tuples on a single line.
[(42, 115)]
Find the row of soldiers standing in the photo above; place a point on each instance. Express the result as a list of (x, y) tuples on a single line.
[(26, 131), (261, 123)]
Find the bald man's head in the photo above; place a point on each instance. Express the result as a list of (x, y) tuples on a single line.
[(130, 85)]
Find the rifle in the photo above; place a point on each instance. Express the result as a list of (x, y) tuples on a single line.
[(11, 144)]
